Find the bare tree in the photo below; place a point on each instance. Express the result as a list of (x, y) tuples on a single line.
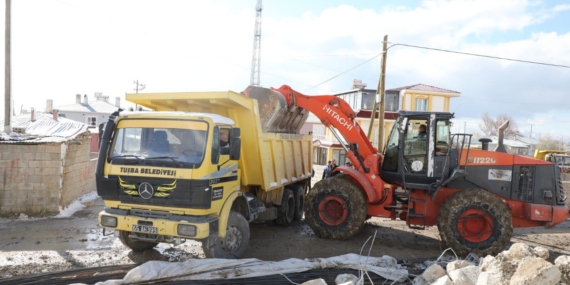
[(549, 142), (490, 126)]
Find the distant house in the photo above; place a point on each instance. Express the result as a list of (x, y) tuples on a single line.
[(512, 146), (418, 97), (532, 143), (91, 113)]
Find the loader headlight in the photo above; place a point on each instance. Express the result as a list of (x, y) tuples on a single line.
[(186, 230), (108, 221)]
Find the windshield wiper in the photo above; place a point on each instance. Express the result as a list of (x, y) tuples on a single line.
[(128, 155), (174, 158)]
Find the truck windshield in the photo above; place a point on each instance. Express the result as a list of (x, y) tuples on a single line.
[(174, 147)]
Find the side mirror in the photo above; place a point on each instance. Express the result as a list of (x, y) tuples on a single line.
[(235, 145), (235, 133)]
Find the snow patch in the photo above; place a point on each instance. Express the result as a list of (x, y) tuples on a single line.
[(273, 184), (76, 205), (283, 181), (294, 179)]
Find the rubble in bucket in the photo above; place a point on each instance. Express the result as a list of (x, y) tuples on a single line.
[(520, 265)]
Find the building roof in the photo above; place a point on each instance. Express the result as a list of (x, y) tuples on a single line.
[(423, 87), (45, 129), (527, 140), (96, 106)]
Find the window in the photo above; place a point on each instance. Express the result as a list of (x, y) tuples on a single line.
[(442, 138), (421, 104), (368, 101), (92, 122), (319, 132), (340, 156), (392, 102)]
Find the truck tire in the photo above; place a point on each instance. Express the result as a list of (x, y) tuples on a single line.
[(135, 245), (475, 220), (335, 208), (234, 244), (299, 194), (286, 211)]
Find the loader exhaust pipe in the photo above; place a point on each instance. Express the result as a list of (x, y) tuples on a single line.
[(485, 143), (500, 146)]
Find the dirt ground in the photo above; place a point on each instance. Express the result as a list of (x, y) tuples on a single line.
[(54, 244)]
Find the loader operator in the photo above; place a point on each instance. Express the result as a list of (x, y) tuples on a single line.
[(422, 130)]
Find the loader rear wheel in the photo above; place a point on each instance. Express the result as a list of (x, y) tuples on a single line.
[(299, 193), (133, 244), (335, 208), (234, 244), (475, 220), (286, 212)]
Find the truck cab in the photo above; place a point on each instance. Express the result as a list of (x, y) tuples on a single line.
[(165, 178)]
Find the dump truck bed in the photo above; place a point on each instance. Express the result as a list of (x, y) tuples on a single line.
[(269, 160)]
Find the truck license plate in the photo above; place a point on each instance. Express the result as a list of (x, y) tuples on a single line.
[(145, 229)]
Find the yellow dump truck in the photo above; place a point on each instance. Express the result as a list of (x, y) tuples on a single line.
[(202, 166)]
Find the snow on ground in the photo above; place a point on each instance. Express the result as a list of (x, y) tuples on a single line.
[(76, 205)]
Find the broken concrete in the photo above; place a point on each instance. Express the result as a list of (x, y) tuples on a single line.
[(541, 252), (563, 264), (434, 272), (444, 280), (457, 264), (465, 276), (345, 279), (518, 251), (535, 270)]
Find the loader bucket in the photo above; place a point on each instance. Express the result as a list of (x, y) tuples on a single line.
[(274, 114)]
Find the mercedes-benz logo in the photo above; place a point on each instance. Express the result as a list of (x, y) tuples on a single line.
[(146, 191)]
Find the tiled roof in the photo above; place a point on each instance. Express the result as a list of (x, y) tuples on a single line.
[(423, 87), (97, 106)]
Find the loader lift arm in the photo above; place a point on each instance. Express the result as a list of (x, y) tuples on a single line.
[(339, 117)]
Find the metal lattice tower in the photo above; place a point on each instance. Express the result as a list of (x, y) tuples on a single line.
[(256, 57)]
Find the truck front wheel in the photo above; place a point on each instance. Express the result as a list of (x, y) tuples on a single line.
[(475, 220), (234, 244), (133, 244), (335, 208)]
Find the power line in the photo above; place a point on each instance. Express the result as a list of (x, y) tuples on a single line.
[(483, 55)]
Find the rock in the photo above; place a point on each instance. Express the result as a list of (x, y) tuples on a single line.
[(535, 270), (457, 264), (541, 252), (419, 280), (319, 281), (492, 277), (23, 216), (488, 263), (346, 279), (444, 280), (518, 251), (563, 264), (433, 272), (465, 276)]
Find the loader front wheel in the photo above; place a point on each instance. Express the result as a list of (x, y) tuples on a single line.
[(475, 220), (133, 244), (234, 244), (336, 208), (286, 212)]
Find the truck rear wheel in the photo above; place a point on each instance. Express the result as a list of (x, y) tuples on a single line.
[(475, 220), (286, 211), (234, 244), (299, 194), (135, 245), (335, 208)]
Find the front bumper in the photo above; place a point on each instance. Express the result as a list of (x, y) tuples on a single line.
[(205, 226)]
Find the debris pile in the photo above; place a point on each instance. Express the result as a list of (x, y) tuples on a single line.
[(520, 265)]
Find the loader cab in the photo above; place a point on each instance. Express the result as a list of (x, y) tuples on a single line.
[(417, 151)]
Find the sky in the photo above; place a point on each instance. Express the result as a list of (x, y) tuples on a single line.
[(61, 48)]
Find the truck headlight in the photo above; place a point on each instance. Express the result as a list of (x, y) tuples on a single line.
[(186, 230), (108, 221)]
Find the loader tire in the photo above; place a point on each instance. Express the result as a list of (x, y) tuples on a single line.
[(286, 211), (335, 208), (299, 194), (133, 244), (234, 244), (475, 220)]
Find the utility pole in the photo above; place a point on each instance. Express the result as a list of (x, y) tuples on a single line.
[(256, 57), (530, 136), (380, 91), (7, 71), (138, 87)]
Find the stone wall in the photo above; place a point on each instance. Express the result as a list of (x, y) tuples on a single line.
[(43, 177)]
